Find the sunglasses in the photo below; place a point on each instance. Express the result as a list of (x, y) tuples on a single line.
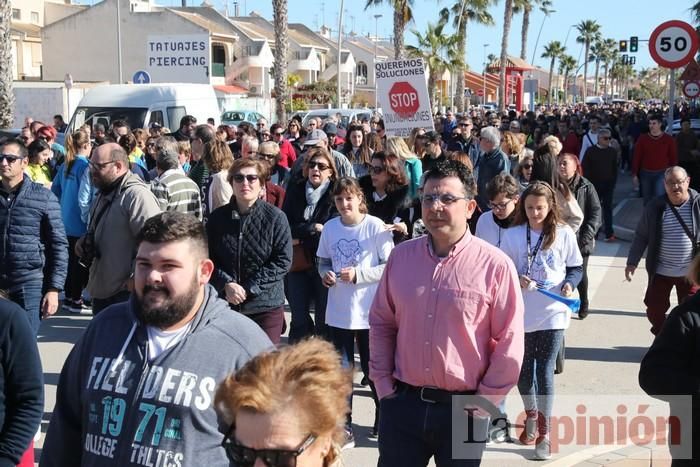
[(527, 166), (445, 199), (279, 133), (239, 178), (266, 156), (376, 170), (244, 456), (320, 165), (10, 158)]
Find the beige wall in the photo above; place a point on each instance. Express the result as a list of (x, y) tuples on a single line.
[(99, 22), (26, 8)]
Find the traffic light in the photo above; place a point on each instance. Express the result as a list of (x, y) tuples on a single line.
[(633, 60), (634, 44), (625, 59), (623, 46)]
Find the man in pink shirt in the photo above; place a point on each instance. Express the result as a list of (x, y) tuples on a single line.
[(447, 320)]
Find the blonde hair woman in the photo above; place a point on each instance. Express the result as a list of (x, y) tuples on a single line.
[(287, 406), (512, 145)]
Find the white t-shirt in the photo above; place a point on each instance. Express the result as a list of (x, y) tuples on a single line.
[(365, 245), (488, 230), (548, 269), (160, 341)]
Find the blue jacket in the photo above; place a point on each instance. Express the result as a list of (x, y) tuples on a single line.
[(34, 244), (67, 187), (490, 164)]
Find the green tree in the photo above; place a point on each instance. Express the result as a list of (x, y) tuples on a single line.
[(463, 12), (7, 96), (433, 47), (403, 14), (525, 7), (507, 18), (567, 64), (596, 56), (279, 16), (552, 51), (589, 31), (609, 53)]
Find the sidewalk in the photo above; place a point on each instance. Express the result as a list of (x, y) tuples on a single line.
[(628, 208)]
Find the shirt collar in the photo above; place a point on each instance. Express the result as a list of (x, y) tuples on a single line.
[(456, 248)]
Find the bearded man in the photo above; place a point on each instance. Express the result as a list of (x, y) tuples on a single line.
[(137, 389)]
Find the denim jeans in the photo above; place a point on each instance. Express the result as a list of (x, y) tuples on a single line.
[(28, 296), (536, 382), (303, 288), (605, 194), (651, 184), (99, 304), (344, 342), (412, 431)]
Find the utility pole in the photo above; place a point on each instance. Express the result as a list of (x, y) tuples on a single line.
[(483, 98), (376, 42), (340, 43)]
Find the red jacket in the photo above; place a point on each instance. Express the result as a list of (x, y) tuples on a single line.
[(571, 144), (287, 154), (654, 154)]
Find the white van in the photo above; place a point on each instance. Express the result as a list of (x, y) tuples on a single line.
[(142, 104)]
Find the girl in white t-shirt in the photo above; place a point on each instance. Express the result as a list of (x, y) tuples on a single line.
[(546, 256), (352, 252), (502, 193)]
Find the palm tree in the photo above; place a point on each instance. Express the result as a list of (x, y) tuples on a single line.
[(609, 54), (526, 6), (507, 17), (695, 13), (279, 16), (431, 47), (553, 51), (464, 11), (403, 14), (597, 53), (491, 60), (589, 31), (7, 97), (567, 63)]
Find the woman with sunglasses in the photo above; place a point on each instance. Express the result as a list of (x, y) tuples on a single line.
[(524, 171), (269, 430), (250, 272), (308, 205), (386, 193), (513, 147)]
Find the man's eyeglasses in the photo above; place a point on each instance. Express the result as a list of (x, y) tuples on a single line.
[(445, 199), (266, 156), (377, 169), (244, 456), (10, 158), (675, 183), (603, 138), (500, 206), (239, 178), (320, 165), (99, 166), (279, 133), (526, 166)]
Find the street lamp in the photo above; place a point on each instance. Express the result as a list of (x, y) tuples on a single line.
[(483, 98), (376, 41)]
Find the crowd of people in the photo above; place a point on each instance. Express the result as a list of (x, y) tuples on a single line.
[(428, 254)]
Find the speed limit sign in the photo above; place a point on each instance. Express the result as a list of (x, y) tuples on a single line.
[(673, 44), (691, 89)]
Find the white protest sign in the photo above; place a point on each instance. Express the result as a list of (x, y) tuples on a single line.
[(178, 58), (402, 93)]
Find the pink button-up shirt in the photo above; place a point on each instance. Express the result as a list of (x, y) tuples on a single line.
[(455, 324)]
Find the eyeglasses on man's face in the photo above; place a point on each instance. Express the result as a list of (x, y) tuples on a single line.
[(98, 165), (10, 158), (445, 199)]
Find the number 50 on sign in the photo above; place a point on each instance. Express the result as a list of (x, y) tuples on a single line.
[(673, 44)]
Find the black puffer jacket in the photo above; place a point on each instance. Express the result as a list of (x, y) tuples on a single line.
[(253, 250), (396, 204), (294, 205), (589, 203), (34, 244)]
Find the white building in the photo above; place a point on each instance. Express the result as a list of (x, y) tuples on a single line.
[(172, 44), (366, 53), (28, 17)]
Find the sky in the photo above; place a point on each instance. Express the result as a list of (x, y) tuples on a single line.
[(619, 19)]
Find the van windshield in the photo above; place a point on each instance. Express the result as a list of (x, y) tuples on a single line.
[(134, 117)]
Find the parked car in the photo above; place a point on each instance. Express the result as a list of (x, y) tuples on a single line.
[(236, 117), (346, 115)]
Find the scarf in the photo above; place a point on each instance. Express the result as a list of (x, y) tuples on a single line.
[(313, 195), (507, 222)]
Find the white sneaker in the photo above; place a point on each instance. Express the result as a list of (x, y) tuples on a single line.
[(37, 436), (543, 449)]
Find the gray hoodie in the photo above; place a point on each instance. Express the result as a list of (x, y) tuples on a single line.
[(115, 408)]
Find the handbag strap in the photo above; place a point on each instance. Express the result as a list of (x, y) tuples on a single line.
[(687, 230)]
